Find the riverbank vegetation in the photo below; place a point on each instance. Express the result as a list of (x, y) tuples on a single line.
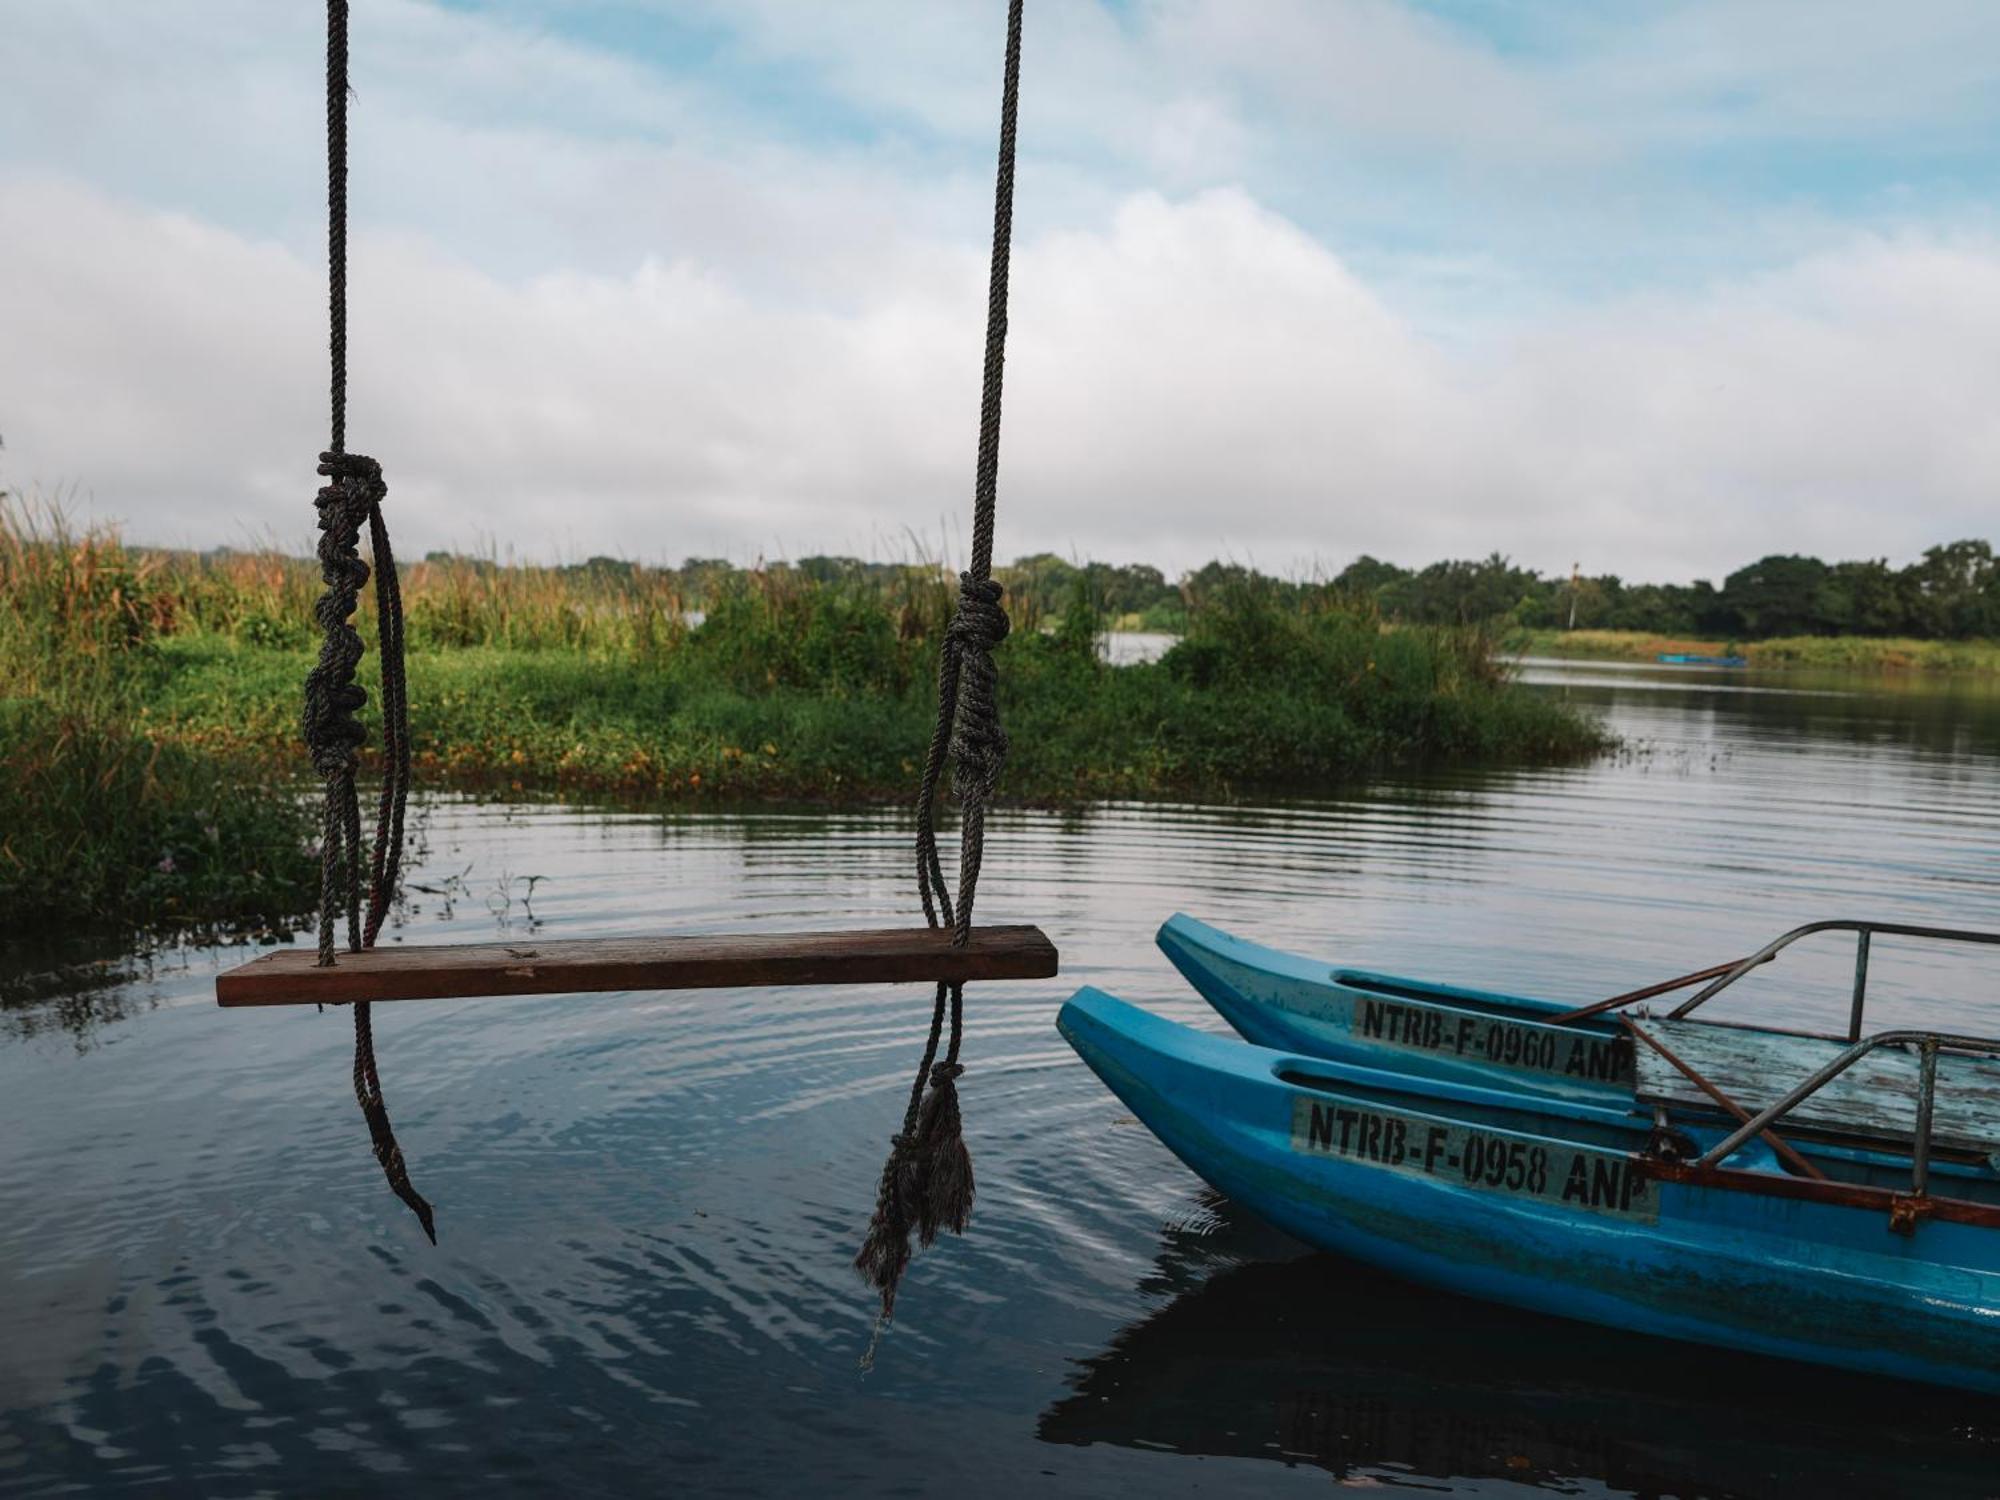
[(104, 821), (1840, 653), (148, 728), (795, 688)]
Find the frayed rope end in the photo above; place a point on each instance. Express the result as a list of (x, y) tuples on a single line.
[(941, 1187)]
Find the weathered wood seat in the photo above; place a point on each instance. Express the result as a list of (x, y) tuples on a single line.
[(891, 955), (1874, 1100)]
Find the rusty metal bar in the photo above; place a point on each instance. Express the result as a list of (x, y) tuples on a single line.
[(1826, 1075), (1920, 1155), (1845, 1194), (1632, 997), (1777, 1142), (1778, 945), (1861, 941)]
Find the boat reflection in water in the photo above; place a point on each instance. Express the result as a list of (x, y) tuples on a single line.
[(1268, 1351)]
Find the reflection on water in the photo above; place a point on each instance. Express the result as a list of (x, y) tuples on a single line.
[(42, 992), (1257, 1351), (647, 1203)]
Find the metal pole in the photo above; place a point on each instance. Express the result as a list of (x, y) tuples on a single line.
[(1773, 948), (1860, 984), (1664, 987), (1920, 1158), (1761, 1121)]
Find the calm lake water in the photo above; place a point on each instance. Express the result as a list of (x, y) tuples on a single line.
[(647, 1203)]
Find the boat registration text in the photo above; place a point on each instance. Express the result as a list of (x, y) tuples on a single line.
[(1601, 1182), (1521, 1045)]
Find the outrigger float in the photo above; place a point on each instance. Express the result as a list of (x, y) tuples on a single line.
[(1628, 1172), (1605, 1053)]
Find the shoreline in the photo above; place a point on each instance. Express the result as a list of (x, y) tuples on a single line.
[(1853, 653)]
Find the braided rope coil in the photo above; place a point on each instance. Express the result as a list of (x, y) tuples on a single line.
[(347, 503), (978, 743), (350, 501)]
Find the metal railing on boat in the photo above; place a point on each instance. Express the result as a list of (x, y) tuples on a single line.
[(1803, 1179), (1864, 934), (1928, 1045)]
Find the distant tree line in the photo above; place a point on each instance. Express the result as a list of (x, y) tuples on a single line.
[(1952, 593)]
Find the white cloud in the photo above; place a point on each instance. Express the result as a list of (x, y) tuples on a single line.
[(1189, 377), (1296, 278)]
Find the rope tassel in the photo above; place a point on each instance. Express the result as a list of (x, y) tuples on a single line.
[(926, 1183), (940, 1188), (926, 1186), (885, 1252)]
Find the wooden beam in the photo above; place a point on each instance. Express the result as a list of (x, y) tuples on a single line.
[(890, 955)]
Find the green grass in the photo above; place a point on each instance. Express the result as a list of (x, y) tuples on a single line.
[(1337, 701), (1834, 652), (105, 821), (819, 697), (151, 760), (110, 826), (1888, 654)]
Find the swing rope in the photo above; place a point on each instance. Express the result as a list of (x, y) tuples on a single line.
[(349, 501), (927, 1183)]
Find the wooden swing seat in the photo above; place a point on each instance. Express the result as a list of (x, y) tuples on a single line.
[(887, 955)]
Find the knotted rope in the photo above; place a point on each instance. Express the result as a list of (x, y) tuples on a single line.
[(927, 1182), (351, 499)]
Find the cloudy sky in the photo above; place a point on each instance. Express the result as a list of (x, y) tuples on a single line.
[(1656, 286)]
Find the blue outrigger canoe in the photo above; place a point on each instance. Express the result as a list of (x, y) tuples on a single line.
[(1279, 999), (1688, 659), (1868, 1110), (1576, 1209)]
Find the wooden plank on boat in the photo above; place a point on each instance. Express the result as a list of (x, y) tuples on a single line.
[(890, 955), (1876, 1099)]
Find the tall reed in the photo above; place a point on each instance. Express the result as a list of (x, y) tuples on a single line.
[(102, 820)]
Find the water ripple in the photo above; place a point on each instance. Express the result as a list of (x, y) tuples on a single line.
[(648, 1203)]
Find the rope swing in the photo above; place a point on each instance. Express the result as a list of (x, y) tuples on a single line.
[(927, 1181), (351, 499)]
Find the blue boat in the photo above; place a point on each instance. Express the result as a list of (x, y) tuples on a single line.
[(1868, 1109), (1575, 1210), (1475, 1036), (1684, 659)]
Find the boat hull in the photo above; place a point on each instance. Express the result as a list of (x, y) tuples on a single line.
[(1480, 1037), (1397, 1171)]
